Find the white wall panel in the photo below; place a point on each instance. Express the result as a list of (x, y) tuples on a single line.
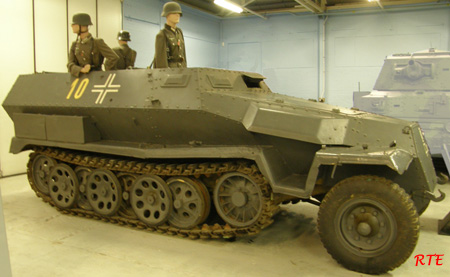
[(288, 56), (143, 36), (206, 54), (16, 58), (109, 21), (199, 26), (245, 56), (51, 35), (202, 36), (293, 53), (286, 81), (447, 26), (143, 10)]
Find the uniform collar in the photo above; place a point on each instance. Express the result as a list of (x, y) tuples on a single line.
[(86, 39), (170, 28)]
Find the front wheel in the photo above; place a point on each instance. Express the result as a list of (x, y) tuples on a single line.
[(368, 224)]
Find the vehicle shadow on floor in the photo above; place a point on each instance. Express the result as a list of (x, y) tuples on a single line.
[(287, 226)]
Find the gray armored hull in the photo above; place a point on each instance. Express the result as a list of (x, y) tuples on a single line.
[(213, 153)]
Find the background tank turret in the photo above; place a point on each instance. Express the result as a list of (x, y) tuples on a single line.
[(415, 87), (209, 153)]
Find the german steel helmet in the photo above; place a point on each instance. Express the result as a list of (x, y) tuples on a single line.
[(82, 19), (123, 35), (171, 7)]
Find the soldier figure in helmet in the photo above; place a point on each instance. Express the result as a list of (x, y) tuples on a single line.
[(169, 44), (87, 53), (127, 56)]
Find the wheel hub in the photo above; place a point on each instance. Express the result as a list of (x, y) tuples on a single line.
[(364, 229), (151, 199), (66, 185), (177, 204), (104, 191), (239, 199), (366, 225)]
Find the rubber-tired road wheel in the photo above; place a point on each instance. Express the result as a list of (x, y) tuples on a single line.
[(368, 224)]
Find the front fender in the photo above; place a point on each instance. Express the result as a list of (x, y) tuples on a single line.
[(396, 159)]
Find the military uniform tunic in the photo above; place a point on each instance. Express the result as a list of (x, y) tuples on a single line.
[(169, 48), (127, 56), (90, 51)]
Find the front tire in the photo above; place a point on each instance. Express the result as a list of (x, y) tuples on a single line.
[(368, 224)]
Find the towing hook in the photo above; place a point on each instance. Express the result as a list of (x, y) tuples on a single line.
[(433, 198)]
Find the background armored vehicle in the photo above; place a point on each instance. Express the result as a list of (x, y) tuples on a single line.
[(208, 153), (415, 87)]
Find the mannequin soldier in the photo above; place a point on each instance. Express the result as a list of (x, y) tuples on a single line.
[(127, 56), (87, 53), (169, 44)]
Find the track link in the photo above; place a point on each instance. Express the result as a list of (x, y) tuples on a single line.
[(195, 170)]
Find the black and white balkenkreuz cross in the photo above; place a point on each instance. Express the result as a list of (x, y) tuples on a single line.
[(104, 89)]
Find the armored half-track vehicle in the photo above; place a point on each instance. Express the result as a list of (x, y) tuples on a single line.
[(209, 153), (416, 87)]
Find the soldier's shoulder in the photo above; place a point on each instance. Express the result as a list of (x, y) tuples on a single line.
[(161, 33), (73, 46), (99, 40)]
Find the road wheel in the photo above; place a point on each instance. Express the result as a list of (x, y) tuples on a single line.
[(238, 199), (368, 224)]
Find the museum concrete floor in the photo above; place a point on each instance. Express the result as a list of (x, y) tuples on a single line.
[(44, 242)]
